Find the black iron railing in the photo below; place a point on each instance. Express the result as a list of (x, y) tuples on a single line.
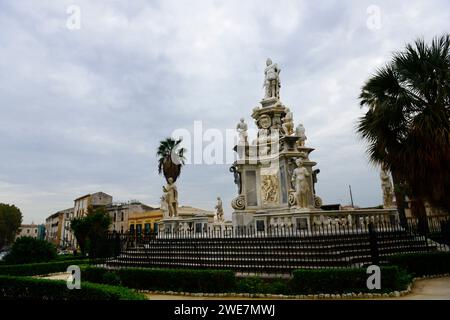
[(279, 249)]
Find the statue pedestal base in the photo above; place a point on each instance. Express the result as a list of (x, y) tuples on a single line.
[(242, 219), (188, 226), (307, 220)]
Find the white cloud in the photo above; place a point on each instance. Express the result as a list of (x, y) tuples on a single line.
[(83, 110)]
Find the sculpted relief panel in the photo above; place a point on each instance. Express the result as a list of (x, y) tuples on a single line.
[(270, 189)]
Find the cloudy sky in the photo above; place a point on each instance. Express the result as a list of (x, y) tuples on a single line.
[(84, 105)]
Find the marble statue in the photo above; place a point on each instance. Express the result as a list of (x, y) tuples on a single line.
[(242, 130), (288, 123), (388, 189), (164, 207), (219, 210), (171, 196), (300, 178), (300, 132), (272, 80)]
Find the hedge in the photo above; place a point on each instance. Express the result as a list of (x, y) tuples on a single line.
[(305, 281), (260, 285), (317, 281), (164, 279), (26, 288), (69, 257), (32, 269), (423, 264)]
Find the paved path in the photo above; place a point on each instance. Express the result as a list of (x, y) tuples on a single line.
[(426, 289), (430, 289)]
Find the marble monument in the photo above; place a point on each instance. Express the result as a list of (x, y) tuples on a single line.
[(274, 174)]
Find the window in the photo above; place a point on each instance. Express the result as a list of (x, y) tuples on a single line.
[(115, 216), (132, 228), (121, 216), (28, 230), (147, 228)]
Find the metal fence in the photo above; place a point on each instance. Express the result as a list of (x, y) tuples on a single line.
[(278, 249)]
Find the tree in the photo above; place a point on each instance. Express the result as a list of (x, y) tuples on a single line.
[(407, 126), (91, 229), (171, 158), (10, 221), (30, 250)]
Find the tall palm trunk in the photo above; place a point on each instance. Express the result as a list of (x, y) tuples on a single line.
[(418, 211), (399, 197)]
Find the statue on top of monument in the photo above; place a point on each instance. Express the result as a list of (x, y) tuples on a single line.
[(164, 207), (242, 130), (288, 123), (388, 189), (171, 197), (300, 132), (272, 80), (300, 178), (219, 211)]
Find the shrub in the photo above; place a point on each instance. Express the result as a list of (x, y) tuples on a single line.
[(165, 279), (30, 250), (93, 274), (260, 285), (422, 264), (316, 281), (70, 257), (44, 289), (100, 275), (111, 278), (251, 285), (33, 269), (178, 280)]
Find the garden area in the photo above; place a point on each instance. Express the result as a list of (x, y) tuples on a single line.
[(21, 277)]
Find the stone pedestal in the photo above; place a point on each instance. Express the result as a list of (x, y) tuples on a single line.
[(191, 225), (242, 219)]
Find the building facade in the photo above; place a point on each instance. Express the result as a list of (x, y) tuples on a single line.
[(54, 228), (120, 213), (82, 204), (66, 233), (144, 222), (28, 230)]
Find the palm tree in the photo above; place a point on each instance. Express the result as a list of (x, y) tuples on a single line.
[(407, 126), (171, 158)]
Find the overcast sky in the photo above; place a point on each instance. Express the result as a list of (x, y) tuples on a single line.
[(83, 109)]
